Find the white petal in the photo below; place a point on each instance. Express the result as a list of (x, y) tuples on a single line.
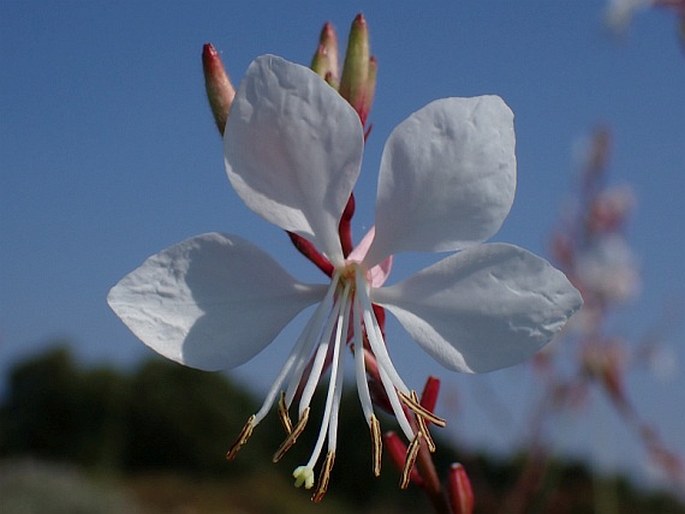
[(484, 308), (378, 274), (211, 302), (293, 150), (447, 178)]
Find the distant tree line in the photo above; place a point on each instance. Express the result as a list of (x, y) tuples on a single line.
[(163, 416)]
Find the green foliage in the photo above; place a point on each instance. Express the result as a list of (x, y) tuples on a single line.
[(56, 411)]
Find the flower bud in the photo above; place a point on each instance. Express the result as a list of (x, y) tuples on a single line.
[(354, 83), (220, 91), (459, 490), (429, 396), (368, 92), (325, 60)]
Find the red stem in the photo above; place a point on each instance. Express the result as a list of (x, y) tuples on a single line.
[(310, 252)]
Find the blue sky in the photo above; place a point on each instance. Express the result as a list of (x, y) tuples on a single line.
[(108, 154)]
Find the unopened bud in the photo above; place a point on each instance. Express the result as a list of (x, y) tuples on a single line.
[(220, 91), (354, 83), (325, 60), (429, 396), (368, 92), (459, 490)]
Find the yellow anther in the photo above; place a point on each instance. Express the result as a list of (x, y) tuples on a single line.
[(420, 410), (292, 436), (376, 445), (284, 415), (244, 435), (423, 427), (324, 478), (410, 459)]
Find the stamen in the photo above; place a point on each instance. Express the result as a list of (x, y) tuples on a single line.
[(423, 427), (389, 377), (310, 334), (299, 353), (337, 395), (292, 437), (330, 419), (360, 365), (244, 435), (376, 445), (375, 335), (332, 323), (284, 415), (324, 477), (413, 403), (410, 459), (397, 409)]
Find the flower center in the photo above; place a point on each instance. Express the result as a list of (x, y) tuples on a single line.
[(344, 317)]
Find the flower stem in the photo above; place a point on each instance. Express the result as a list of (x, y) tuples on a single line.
[(345, 227), (310, 252)]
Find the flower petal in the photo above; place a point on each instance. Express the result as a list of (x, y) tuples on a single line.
[(378, 274), (484, 308), (211, 302), (447, 178), (293, 149)]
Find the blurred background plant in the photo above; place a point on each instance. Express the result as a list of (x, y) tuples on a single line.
[(591, 246), (76, 439), (620, 13)]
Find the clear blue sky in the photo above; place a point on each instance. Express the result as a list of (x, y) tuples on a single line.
[(108, 154)]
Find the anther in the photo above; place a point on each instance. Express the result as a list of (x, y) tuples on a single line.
[(244, 435), (292, 436), (420, 410), (423, 427), (284, 415), (410, 459), (324, 478), (376, 445)]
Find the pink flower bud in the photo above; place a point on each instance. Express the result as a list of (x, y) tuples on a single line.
[(220, 91), (429, 396), (325, 60), (459, 490)]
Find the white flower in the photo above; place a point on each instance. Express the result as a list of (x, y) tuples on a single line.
[(293, 149)]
